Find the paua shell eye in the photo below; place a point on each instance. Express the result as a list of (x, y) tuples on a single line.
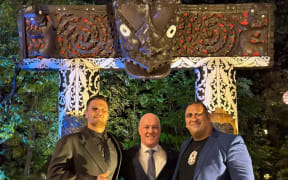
[(171, 31), (124, 30)]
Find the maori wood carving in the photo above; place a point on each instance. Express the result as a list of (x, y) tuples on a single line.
[(146, 38), (67, 32), (225, 30), (147, 35)]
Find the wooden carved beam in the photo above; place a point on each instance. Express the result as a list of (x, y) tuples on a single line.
[(221, 30), (147, 39)]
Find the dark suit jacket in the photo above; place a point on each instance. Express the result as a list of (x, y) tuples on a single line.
[(223, 157), (131, 168), (75, 157)]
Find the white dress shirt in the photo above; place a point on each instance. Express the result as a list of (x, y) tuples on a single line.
[(159, 156)]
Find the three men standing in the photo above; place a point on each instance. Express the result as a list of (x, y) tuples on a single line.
[(93, 153)]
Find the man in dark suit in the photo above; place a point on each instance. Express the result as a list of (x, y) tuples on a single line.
[(91, 153), (210, 154), (139, 164)]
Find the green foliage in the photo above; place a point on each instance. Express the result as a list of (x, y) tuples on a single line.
[(262, 124), (282, 164), (28, 119), (32, 120)]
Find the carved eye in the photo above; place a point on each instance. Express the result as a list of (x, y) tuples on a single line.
[(125, 31), (171, 31)]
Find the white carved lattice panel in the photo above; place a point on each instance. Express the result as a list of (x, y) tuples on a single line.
[(216, 86), (79, 80)]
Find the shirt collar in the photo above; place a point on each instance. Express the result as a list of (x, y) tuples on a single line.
[(145, 148), (94, 134)]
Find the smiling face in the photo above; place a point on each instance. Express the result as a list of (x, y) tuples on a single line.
[(97, 113), (149, 130), (198, 122)]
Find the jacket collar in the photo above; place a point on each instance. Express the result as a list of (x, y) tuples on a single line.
[(91, 147), (209, 146), (99, 161)]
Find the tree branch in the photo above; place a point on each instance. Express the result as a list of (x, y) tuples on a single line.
[(15, 88)]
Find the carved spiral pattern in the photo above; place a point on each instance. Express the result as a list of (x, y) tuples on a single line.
[(84, 36), (206, 35)]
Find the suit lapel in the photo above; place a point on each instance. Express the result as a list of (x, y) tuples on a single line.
[(137, 163), (92, 150), (119, 153), (208, 147), (138, 166), (182, 150)]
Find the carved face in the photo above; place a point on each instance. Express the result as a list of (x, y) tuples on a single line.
[(146, 33)]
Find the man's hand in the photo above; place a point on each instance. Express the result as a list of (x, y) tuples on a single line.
[(103, 176)]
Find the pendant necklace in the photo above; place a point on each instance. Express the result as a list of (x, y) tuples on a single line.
[(192, 158)]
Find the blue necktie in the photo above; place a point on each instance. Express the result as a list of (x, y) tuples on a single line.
[(151, 166)]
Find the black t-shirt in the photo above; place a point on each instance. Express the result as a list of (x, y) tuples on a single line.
[(186, 171)]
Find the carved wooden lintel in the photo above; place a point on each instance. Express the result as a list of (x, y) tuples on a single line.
[(221, 30), (214, 39)]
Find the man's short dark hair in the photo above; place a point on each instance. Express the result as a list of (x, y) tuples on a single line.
[(198, 102), (94, 98)]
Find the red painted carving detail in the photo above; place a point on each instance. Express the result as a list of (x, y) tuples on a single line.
[(226, 34), (84, 36), (253, 30), (69, 34), (33, 39), (245, 14), (212, 34), (244, 22)]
